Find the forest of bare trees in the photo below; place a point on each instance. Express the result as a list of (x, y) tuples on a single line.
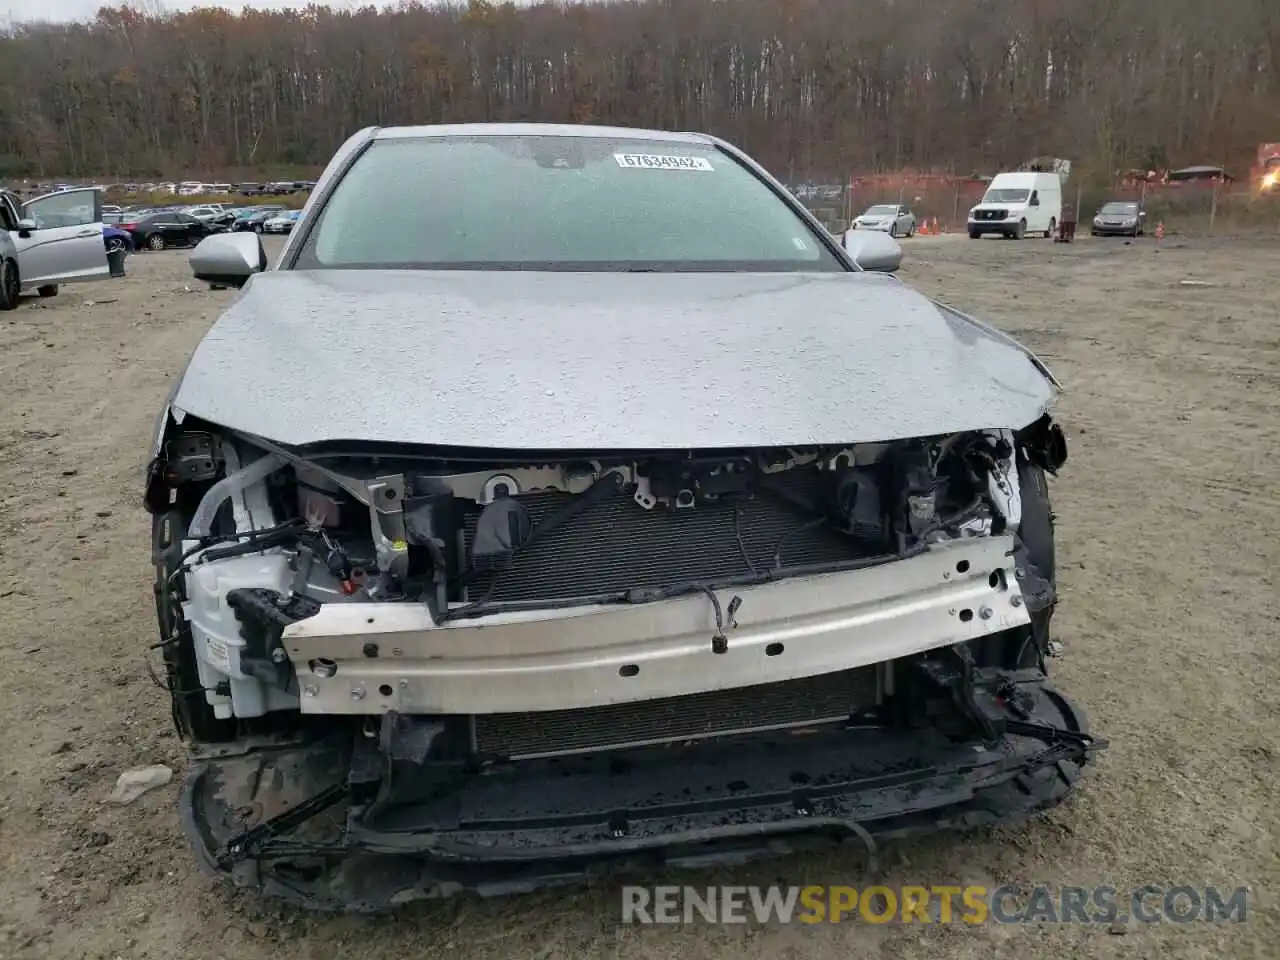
[(812, 87)]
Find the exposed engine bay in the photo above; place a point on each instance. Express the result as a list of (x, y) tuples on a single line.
[(425, 635), (279, 535)]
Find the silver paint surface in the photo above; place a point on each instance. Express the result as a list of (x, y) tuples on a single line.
[(524, 360)]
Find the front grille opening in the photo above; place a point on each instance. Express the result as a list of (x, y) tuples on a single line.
[(827, 699), (616, 545)]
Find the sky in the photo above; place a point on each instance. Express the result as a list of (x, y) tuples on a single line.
[(21, 11)]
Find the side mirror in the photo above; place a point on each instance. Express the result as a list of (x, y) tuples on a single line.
[(228, 259), (873, 250), (25, 226)]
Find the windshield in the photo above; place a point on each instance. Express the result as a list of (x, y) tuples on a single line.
[(1120, 209), (881, 210), (557, 203), (1006, 196)]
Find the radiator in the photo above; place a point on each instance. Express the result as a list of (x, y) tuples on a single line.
[(616, 545)]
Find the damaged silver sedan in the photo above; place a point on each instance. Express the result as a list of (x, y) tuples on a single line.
[(567, 499)]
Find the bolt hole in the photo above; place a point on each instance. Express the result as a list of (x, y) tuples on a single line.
[(370, 620), (773, 649), (966, 615), (323, 667), (628, 670), (997, 580), (962, 566), (389, 494), (385, 689)]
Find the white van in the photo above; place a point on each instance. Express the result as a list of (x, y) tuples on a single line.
[(1016, 204)]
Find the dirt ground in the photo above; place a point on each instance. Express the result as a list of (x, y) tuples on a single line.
[(1169, 513)]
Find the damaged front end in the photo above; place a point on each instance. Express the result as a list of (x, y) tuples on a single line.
[(413, 671)]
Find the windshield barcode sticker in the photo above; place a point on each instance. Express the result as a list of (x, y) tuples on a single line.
[(655, 161)]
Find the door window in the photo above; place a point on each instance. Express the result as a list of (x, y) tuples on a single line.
[(75, 208)]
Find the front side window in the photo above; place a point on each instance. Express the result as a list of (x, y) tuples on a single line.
[(74, 208), (557, 203)]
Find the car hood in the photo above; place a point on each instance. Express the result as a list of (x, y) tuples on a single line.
[(523, 360)]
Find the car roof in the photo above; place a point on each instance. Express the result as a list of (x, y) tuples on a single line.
[(535, 130)]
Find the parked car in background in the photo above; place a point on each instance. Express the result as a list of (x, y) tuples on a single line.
[(114, 239), (10, 280), (282, 222), (253, 218), (205, 214), (48, 241), (287, 187), (167, 228), (1124, 218), (893, 218), (212, 214)]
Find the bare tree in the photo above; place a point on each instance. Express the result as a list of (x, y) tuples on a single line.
[(815, 88)]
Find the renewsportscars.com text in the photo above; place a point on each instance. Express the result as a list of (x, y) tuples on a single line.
[(1041, 903)]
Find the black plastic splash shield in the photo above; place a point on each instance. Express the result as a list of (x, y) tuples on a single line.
[(544, 823)]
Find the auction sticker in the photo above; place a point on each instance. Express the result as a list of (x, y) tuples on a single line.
[(657, 161)]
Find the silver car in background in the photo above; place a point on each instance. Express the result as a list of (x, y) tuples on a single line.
[(1120, 218), (281, 222), (892, 218), (48, 241)]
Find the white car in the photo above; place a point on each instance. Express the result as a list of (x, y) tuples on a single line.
[(207, 213), (51, 240), (283, 223), (891, 218)]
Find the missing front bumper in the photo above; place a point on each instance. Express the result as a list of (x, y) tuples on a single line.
[(518, 826)]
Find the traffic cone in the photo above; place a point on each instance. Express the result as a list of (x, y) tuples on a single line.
[(934, 229), (1160, 230), (924, 227)]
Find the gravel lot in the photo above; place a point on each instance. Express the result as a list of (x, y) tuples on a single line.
[(1169, 513)]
